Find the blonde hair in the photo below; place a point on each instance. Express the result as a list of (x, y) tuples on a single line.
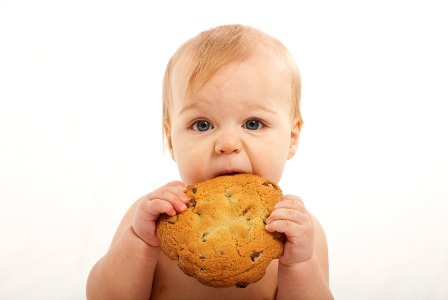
[(217, 47)]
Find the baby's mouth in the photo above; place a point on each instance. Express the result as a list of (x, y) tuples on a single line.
[(230, 173)]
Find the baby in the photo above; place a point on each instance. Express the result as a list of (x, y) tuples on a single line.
[(231, 104)]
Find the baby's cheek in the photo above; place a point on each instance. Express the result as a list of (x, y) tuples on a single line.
[(272, 170), (192, 170)]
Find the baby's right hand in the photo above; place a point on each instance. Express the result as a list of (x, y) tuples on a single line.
[(168, 199)]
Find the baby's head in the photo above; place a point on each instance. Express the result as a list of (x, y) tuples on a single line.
[(231, 105), (201, 57)]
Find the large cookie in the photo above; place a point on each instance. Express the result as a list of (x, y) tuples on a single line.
[(221, 238)]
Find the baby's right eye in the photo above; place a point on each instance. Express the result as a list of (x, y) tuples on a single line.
[(202, 125)]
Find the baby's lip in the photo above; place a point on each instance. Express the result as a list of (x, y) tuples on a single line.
[(230, 172)]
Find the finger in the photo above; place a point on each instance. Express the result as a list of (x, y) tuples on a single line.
[(291, 202), (288, 214), (292, 197), (148, 211), (289, 228), (172, 194), (179, 189), (168, 197), (151, 209)]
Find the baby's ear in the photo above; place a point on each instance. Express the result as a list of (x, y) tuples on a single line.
[(170, 147), (169, 143), (296, 126)]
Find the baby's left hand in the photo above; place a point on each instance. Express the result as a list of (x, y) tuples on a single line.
[(292, 218)]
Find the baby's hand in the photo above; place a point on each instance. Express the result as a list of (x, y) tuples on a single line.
[(168, 199), (291, 218)]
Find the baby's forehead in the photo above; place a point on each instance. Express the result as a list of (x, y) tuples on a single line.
[(260, 87), (190, 75)]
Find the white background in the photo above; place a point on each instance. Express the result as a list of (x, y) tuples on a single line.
[(80, 135)]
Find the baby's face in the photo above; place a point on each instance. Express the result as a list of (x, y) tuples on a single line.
[(239, 122)]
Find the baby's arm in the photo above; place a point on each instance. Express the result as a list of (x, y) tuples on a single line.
[(303, 267), (127, 270)]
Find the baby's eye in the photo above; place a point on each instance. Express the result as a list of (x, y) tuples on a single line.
[(253, 124), (202, 125)]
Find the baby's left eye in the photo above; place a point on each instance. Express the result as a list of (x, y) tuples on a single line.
[(253, 124)]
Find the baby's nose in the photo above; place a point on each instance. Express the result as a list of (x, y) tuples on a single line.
[(227, 143)]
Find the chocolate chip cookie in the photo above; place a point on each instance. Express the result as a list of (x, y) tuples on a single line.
[(221, 238)]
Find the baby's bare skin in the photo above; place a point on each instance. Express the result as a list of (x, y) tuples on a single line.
[(171, 283)]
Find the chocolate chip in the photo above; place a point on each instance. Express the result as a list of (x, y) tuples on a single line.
[(203, 238), (241, 284), (268, 184), (194, 190), (255, 256), (192, 203), (172, 220)]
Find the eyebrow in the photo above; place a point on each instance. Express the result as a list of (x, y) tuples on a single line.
[(263, 108), (188, 107), (250, 107)]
